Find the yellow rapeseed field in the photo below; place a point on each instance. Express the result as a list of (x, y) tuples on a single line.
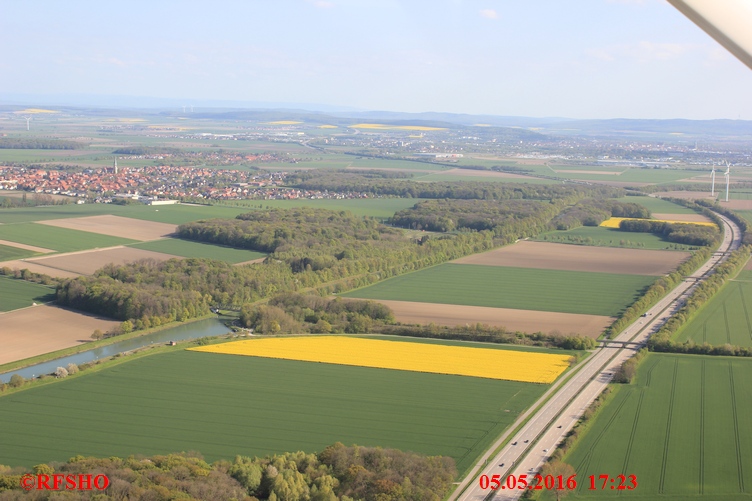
[(614, 221), (31, 111), (394, 127), (489, 363)]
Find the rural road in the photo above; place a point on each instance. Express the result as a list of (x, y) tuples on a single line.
[(532, 445)]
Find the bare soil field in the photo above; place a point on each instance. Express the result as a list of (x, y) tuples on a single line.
[(553, 256), (116, 226), (484, 173), (252, 261), (31, 248), (42, 329), (685, 195), (689, 218), (20, 264), (87, 262), (514, 320), (737, 204)]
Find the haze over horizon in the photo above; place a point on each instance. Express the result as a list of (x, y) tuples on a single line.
[(598, 59)]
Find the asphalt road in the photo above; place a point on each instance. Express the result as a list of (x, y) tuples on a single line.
[(530, 447)]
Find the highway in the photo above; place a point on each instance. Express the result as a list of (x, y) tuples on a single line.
[(533, 444)]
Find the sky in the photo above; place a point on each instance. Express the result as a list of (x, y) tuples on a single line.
[(538, 58)]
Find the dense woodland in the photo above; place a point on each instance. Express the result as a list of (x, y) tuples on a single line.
[(476, 190), (593, 211), (688, 234), (336, 473)]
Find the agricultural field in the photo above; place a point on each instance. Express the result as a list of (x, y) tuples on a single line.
[(680, 428), (726, 317), (255, 406), (531, 254), (380, 208), (87, 262), (16, 294), (411, 312), (115, 226), (59, 239), (489, 363), (466, 175), (614, 222), (188, 248), (658, 205), (42, 329), (8, 253), (609, 237), (562, 291)]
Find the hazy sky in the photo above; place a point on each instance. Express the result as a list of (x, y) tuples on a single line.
[(572, 58)]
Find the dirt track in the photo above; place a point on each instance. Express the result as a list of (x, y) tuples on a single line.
[(42, 329), (484, 173), (685, 195), (116, 226), (511, 319), (553, 256)]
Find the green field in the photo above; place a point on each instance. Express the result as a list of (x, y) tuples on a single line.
[(223, 405), (16, 294), (59, 239), (8, 253), (609, 237), (629, 175), (477, 179), (682, 428), (658, 205), (523, 288), (188, 248), (380, 208), (726, 317)]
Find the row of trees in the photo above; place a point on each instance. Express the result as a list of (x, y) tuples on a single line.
[(687, 234), (337, 473), (593, 211), (663, 339), (17, 143), (343, 180), (36, 199)]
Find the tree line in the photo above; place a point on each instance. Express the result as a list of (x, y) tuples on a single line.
[(679, 233), (17, 143), (338, 473), (343, 180)]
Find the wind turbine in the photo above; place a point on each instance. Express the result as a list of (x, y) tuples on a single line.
[(191, 108), (727, 174), (28, 119), (712, 182), (183, 108)]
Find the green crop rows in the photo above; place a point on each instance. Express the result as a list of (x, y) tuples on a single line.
[(223, 405), (726, 318), (681, 428), (522, 288), (16, 294), (59, 239), (187, 248), (8, 253), (609, 237)]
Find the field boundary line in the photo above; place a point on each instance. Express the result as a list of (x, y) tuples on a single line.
[(662, 481), (702, 428), (739, 471)]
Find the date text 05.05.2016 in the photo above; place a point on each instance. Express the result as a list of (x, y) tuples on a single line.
[(551, 482)]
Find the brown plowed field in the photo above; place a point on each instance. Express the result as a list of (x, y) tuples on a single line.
[(41, 329), (19, 264), (31, 248), (514, 320), (737, 204), (116, 226), (87, 262), (552, 256), (689, 218)]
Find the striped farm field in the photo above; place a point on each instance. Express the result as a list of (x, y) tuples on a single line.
[(519, 288), (222, 406), (609, 237), (59, 239), (614, 222), (681, 429), (520, 366), (16, 294), (726, 318)]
